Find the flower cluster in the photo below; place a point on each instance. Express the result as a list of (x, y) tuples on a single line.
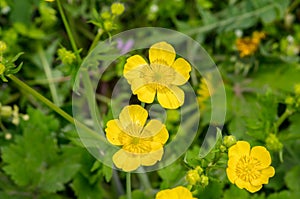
[(248, 45), (141, 141)]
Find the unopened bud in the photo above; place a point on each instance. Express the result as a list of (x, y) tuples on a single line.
[(204, 180), (5, 111), (67, 57), (117, 9), (2, 46), (192, 177), (273, 143), (229, 140), (289, 100), (222, 148), (2, 68), (297, 89)]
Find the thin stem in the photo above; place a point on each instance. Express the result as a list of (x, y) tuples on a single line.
[(69, 32), (55, 108), (128, 185), (49, 76), (96, 39), (283, 117)]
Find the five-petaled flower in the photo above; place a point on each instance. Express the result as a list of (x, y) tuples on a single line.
[(142, 144), (247, 168), (162, 76), (175, 193)]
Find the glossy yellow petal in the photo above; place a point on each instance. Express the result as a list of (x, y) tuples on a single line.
[(253, 189), (145, 93), (183, 192), (151, 158), (241, 183), (183, 69), (162, 53), (231, 175), (133, 63), (264, 178), (126, 161), (262, 155), (114, 134), (133, 118), (241, 148), (156, 131), (166, 194), (170, 97)]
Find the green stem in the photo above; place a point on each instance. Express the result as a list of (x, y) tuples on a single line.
[(283, 117), (69, 32), (128, 185), (90, 94), (145, 181), (96, 39), (55, 108), (48, 73)]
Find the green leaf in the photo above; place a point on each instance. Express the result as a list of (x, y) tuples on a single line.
[(214, 190), (280, 195), (234, 192), (35, 160), (171, 175), (292, 179)]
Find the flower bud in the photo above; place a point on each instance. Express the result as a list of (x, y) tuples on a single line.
[(5, 111), (229, 140), (199, 170), (222, 148), (273, 143), (117, 9), (2, 46), (289, 100), (108, 25), (297, 89), (105, 15), (67, 57), (2, 68), (192, 177), (204, 180)]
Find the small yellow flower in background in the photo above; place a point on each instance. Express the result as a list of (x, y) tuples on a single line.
[(142, 144), (247, 168), (205, 87), (248, 45), (175, 193), (117, 9), (297, 89), (50, 0), (162, 76)]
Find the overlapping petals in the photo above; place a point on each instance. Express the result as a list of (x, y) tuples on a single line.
[(162, 76), (142, 144), (249, 168)]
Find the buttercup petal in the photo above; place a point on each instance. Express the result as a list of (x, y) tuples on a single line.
[(134, 62), (241, 183), (155, 128), (166, 194), (170, 97), (115, 134), (126, 161), (183, 69), (264, 177), (231, 175), (252, 188), (133, 115), (262, 155), (162, 53), (183, 192), (145, 93), (151, 158), (241, 148)]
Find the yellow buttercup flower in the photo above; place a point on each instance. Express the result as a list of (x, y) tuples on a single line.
[(248, 45), (162, 76), (50, 0), (247, 168), (175, 193), (142, 144)]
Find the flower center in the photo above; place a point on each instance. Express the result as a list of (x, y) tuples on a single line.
[(247, 168), (159, 74)]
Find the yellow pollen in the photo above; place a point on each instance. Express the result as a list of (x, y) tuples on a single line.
[(246, 168)]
